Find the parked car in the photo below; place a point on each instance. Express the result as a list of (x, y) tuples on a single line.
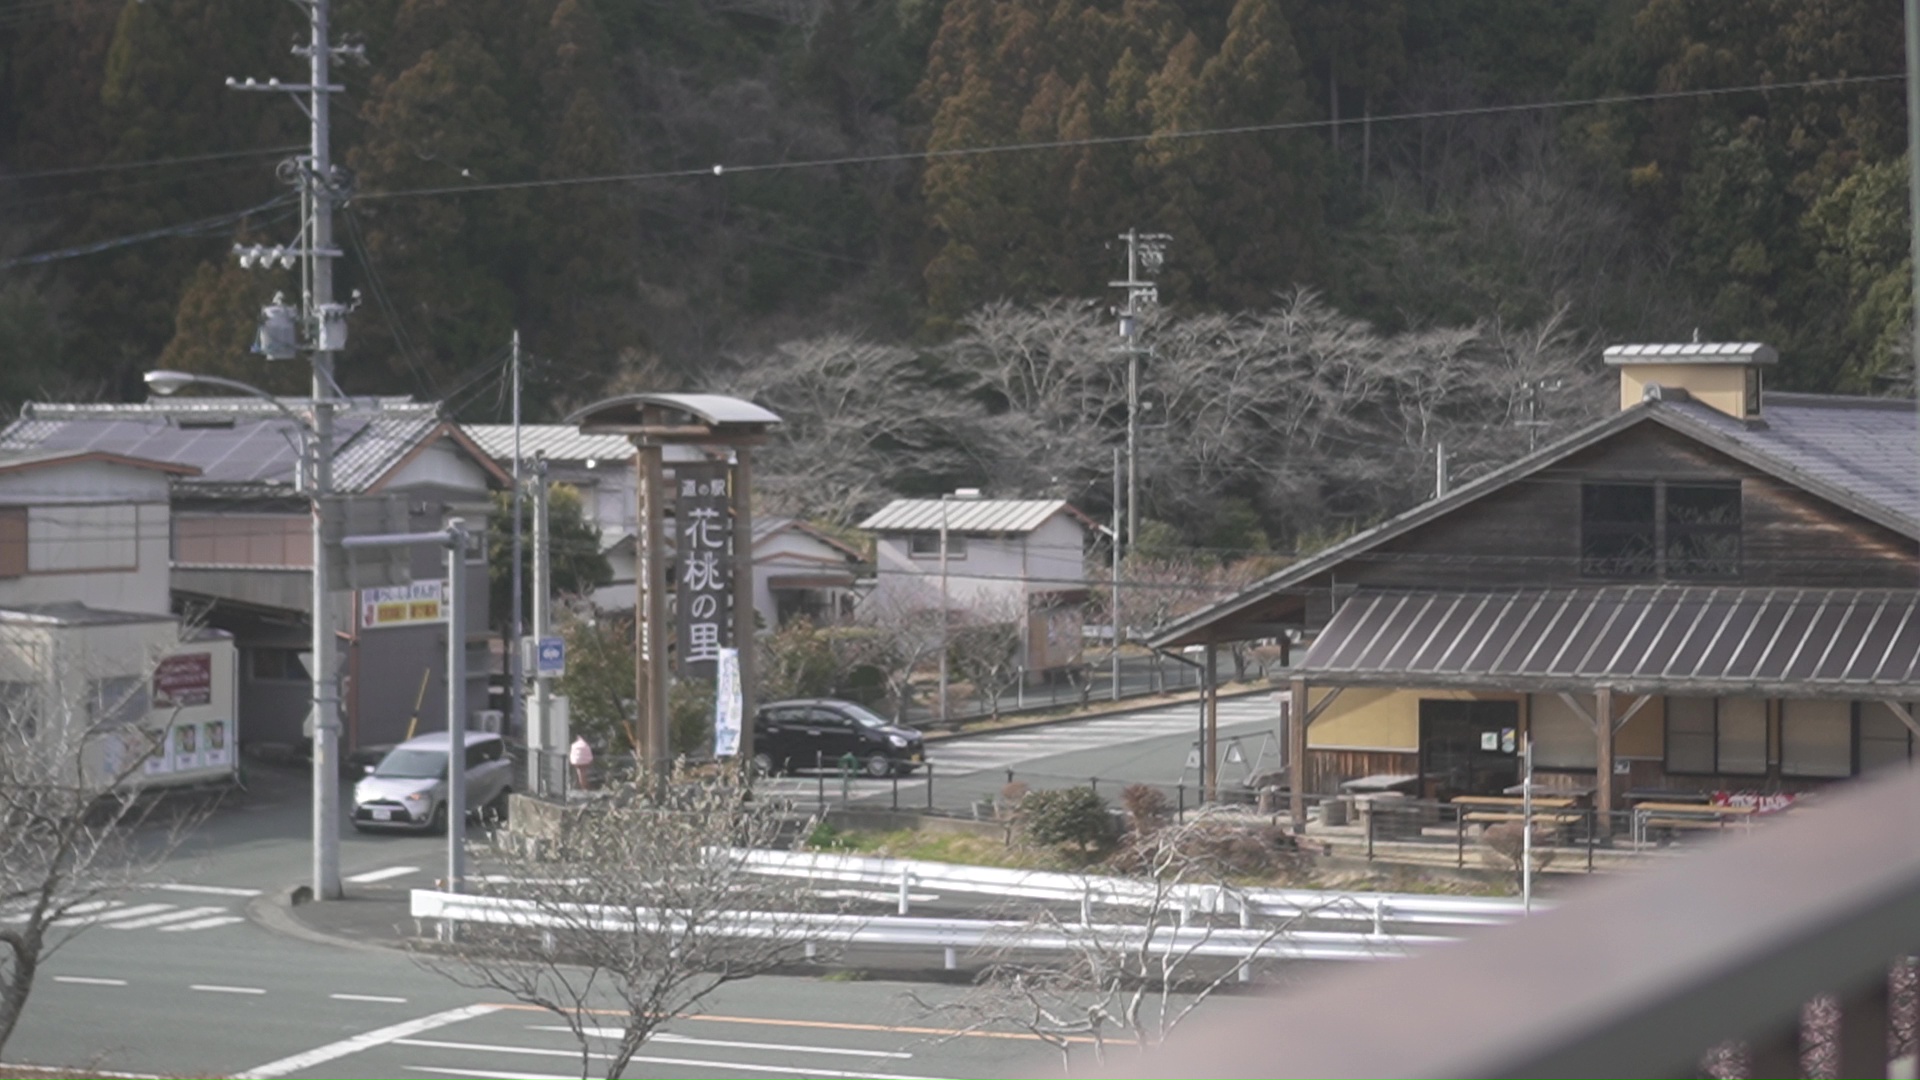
[(804, 733), (408, 788)]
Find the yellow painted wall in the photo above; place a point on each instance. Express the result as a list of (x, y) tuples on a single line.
[(1381, 719), (1723, 386)]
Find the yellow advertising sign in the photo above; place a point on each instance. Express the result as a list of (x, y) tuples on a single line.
[(402, 605)]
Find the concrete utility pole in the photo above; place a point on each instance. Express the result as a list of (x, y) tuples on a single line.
[(516, 664), (1113, 655), (322, 333), (1148, 251), (540, 733), (1913, 179)]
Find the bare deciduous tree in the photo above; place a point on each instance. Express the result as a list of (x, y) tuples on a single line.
[(74, 828), (983, 647), (1133, 980), (634, 914)]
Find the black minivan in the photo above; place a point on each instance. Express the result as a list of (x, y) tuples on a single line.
[(821, 732)]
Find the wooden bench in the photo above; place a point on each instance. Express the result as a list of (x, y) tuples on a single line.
[(1549, 817), (1666, 815)]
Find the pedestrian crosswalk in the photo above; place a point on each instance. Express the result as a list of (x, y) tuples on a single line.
[(1006, 749), (147, 913)]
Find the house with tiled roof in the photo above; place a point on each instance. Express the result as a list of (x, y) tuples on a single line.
[(240, 549), (1708, 594)]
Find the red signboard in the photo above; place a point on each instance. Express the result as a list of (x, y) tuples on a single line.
[(185, 679)]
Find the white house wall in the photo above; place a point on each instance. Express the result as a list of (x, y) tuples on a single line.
[(441, 465), (97, 534), (1056, 556)]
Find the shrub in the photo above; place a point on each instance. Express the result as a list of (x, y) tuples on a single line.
[(1075, 816), (1146, 807), (690, 718)]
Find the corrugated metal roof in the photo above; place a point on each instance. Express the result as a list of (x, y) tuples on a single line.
[(1635, 639), (559, 442), (965, 515), (1693, 352)]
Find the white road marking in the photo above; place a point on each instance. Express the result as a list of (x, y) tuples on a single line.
[(167, 917), (216, 988), (368, 1040), (717, 1066), (88, 980), (688, 1040), (204, 924), (369, 997), (77, 909), (210, 890), (372, 876), (133, 912), (476, 1074)]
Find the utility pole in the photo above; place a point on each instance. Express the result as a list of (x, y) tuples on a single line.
[(540, 733), (323, 332), (1439, 470), (1148, 251), (1113, 658), (516, 664)]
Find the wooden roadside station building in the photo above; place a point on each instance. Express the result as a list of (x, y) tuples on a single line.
[(714, 562), (1712, 590)]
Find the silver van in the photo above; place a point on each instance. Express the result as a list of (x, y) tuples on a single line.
[(408, 789)]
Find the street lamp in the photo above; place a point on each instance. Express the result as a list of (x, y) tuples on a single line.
[(945, 497), (326, 720)]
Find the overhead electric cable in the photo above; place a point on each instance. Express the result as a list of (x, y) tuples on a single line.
[(1111, 140)]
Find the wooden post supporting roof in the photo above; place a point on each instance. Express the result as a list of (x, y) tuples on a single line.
[(1212, 707), (1297, 758), (1603, 771), (650, 609)]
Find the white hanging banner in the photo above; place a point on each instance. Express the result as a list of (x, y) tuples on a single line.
[(726, 704)]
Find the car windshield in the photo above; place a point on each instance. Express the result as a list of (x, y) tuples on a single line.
[(413, 765), (863, 717)]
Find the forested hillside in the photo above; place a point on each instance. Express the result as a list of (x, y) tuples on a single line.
[(935, 185)]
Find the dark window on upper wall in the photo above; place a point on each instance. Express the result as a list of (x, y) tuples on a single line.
[(1618, 530), (1660, 531), (1703, 530)]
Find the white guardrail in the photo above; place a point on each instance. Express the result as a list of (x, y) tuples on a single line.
[(1377, 909), (950, 935)]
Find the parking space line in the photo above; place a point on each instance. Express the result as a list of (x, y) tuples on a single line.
[(730, 1067), (210, 890), (204, 924), (216, 988), (167, 917), (689, 1040), (375, 998), (88, 980)]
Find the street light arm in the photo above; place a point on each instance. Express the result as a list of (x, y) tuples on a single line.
[(167, 383)]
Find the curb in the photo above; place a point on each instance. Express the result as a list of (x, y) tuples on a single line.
[(273, 911)]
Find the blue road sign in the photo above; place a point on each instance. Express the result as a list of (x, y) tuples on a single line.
[(550, 657)]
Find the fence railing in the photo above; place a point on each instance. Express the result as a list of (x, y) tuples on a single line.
[(1375, 908), (953, 936), (1032, 691), (1720, 953)]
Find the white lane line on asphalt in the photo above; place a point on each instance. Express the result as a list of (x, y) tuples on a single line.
[(210, 890), (372, 876), (204, 924), (688, 1040), (376, 998), (216, 988), (88, 980), (62, 1070), (77, 909), (133, 912), (171, 916), (477, 1074), (377, 1037), (729, 1067)]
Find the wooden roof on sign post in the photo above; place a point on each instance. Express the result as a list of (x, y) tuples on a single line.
[(677, 418)]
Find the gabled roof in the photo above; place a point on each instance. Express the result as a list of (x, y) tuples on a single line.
[(1857, 453), (557, 442), (970, 515), (240, 445), (34, 459)]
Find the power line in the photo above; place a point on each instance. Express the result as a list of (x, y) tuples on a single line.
[(202, 227), (721, 170), (155, 163)]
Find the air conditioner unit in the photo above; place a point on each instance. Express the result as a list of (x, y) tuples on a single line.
[(489, 720)]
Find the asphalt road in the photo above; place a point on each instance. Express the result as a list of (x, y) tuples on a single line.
[(176, 979)]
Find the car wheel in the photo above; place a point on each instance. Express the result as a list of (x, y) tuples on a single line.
[(495, 812), (879, 765), (439, 822)]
